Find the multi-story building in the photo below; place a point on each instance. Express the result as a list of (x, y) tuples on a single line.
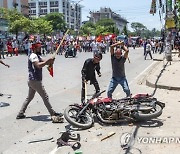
[(108, 13), (20, 5), (70, 10)]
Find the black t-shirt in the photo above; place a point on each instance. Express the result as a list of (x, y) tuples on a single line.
[(88, 70), (118, 69)]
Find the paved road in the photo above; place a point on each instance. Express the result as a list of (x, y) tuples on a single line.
[(63, 89)]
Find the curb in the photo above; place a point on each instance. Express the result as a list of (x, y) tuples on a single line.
[(155, 85), (152, 85)]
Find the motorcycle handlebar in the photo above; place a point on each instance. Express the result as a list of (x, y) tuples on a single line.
[(98, 94)]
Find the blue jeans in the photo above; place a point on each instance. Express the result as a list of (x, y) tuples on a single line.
[(113, 84)]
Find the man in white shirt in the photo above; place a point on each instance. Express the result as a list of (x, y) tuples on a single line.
[(35, 65), (95, 47)]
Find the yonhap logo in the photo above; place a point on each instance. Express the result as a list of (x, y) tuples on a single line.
[(127, 140)]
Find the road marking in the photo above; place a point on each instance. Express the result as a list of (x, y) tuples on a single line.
[(54, 150), (137, 76)]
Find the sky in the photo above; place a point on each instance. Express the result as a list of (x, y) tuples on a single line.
[(132, 10)]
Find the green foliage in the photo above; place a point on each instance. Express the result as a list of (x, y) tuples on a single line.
[(100, 30), (18, 25), (102, 27), (105, 22), (178, 12), (41, 26), (138, 27), (125, 31), (88, 29), (56, 20), (11, 15)]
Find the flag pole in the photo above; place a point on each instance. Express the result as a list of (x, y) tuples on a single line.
[(50, 67), (60, 44)]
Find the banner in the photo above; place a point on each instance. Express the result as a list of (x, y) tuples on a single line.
[(153, 7), (170, 23)]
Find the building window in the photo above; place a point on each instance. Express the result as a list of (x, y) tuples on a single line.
[(32, 5), (72, 14), (43, 11), (72, 21), (67, 19), (63, 4), (43, 4), (32, 12), (54, 10), (54, 4)]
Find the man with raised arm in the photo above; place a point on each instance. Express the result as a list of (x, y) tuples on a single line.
[(118, 69)]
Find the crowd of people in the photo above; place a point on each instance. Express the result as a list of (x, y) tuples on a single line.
[(13, 47), (36, 63), (34, 49)]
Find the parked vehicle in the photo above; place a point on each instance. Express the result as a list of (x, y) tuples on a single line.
[(140, 107)]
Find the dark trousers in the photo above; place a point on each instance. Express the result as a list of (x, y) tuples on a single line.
[(144, 51), (96, 86), (2, 53), (148, 52)]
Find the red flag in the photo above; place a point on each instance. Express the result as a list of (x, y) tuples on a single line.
[(99, 38), (50, 69)]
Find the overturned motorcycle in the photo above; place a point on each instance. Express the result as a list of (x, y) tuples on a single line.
[(141, 107)]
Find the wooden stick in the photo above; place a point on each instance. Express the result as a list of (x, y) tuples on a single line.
[(110, 134), (60, 44), (85, 91), (119, 43)]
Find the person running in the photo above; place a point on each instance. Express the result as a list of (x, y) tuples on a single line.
[(35, 65), (88, 73), (118, 69)]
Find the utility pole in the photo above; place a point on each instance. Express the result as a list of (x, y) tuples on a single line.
[(77, 24), (170, 24)]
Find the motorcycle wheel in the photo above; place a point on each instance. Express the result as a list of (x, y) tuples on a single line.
[(84, 121), (66, 55), (148, 114)]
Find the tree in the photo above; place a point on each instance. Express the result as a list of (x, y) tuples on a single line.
[(125, 31), (41, 26), (178, 13), (100, 30), (10, 15), (138, 27), (88, 29), (107, 25), (105, 22), (102, 27), (57, 21), (20, 25), (16, 21)]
